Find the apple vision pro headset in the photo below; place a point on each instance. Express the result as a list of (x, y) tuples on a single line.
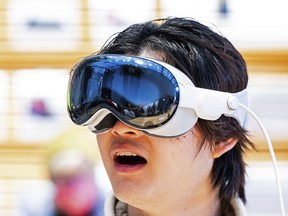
[(151, 96)]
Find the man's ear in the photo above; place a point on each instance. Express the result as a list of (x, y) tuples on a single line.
[(223, 147)]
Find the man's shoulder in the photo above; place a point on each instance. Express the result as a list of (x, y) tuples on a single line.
[(239, 207), (109, 205)]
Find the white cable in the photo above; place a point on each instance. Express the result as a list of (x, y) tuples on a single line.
[(280, 194)]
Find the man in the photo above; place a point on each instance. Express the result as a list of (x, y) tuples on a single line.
[(169, 145)]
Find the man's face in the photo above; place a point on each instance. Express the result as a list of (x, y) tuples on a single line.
[(142, 168)]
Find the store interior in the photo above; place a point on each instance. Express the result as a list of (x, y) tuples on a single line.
[(41, 40)]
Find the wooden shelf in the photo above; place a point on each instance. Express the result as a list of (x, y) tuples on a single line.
[(257, 61)]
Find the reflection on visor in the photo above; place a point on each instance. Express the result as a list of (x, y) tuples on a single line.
[(138, 91)]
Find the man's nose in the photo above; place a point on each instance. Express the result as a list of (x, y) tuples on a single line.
[(121, 129)]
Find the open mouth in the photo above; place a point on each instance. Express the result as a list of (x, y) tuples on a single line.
[(127, 158)]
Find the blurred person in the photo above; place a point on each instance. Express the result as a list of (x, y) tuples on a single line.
[(74, 190), (158, 95), (76, 193)]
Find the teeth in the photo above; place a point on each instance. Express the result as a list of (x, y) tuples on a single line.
[(125, 154)]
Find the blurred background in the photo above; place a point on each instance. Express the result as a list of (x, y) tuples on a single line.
[(40, 40)]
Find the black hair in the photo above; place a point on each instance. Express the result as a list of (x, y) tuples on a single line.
[(211, 62)]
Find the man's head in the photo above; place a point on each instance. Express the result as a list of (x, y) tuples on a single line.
[(212, 150), (211, 62)]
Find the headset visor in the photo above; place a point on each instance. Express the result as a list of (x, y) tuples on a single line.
[(139, 92)]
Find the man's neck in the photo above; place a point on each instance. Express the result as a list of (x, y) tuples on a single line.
[(208, 207)]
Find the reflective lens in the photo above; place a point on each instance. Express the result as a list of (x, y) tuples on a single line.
[(138, 91)]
